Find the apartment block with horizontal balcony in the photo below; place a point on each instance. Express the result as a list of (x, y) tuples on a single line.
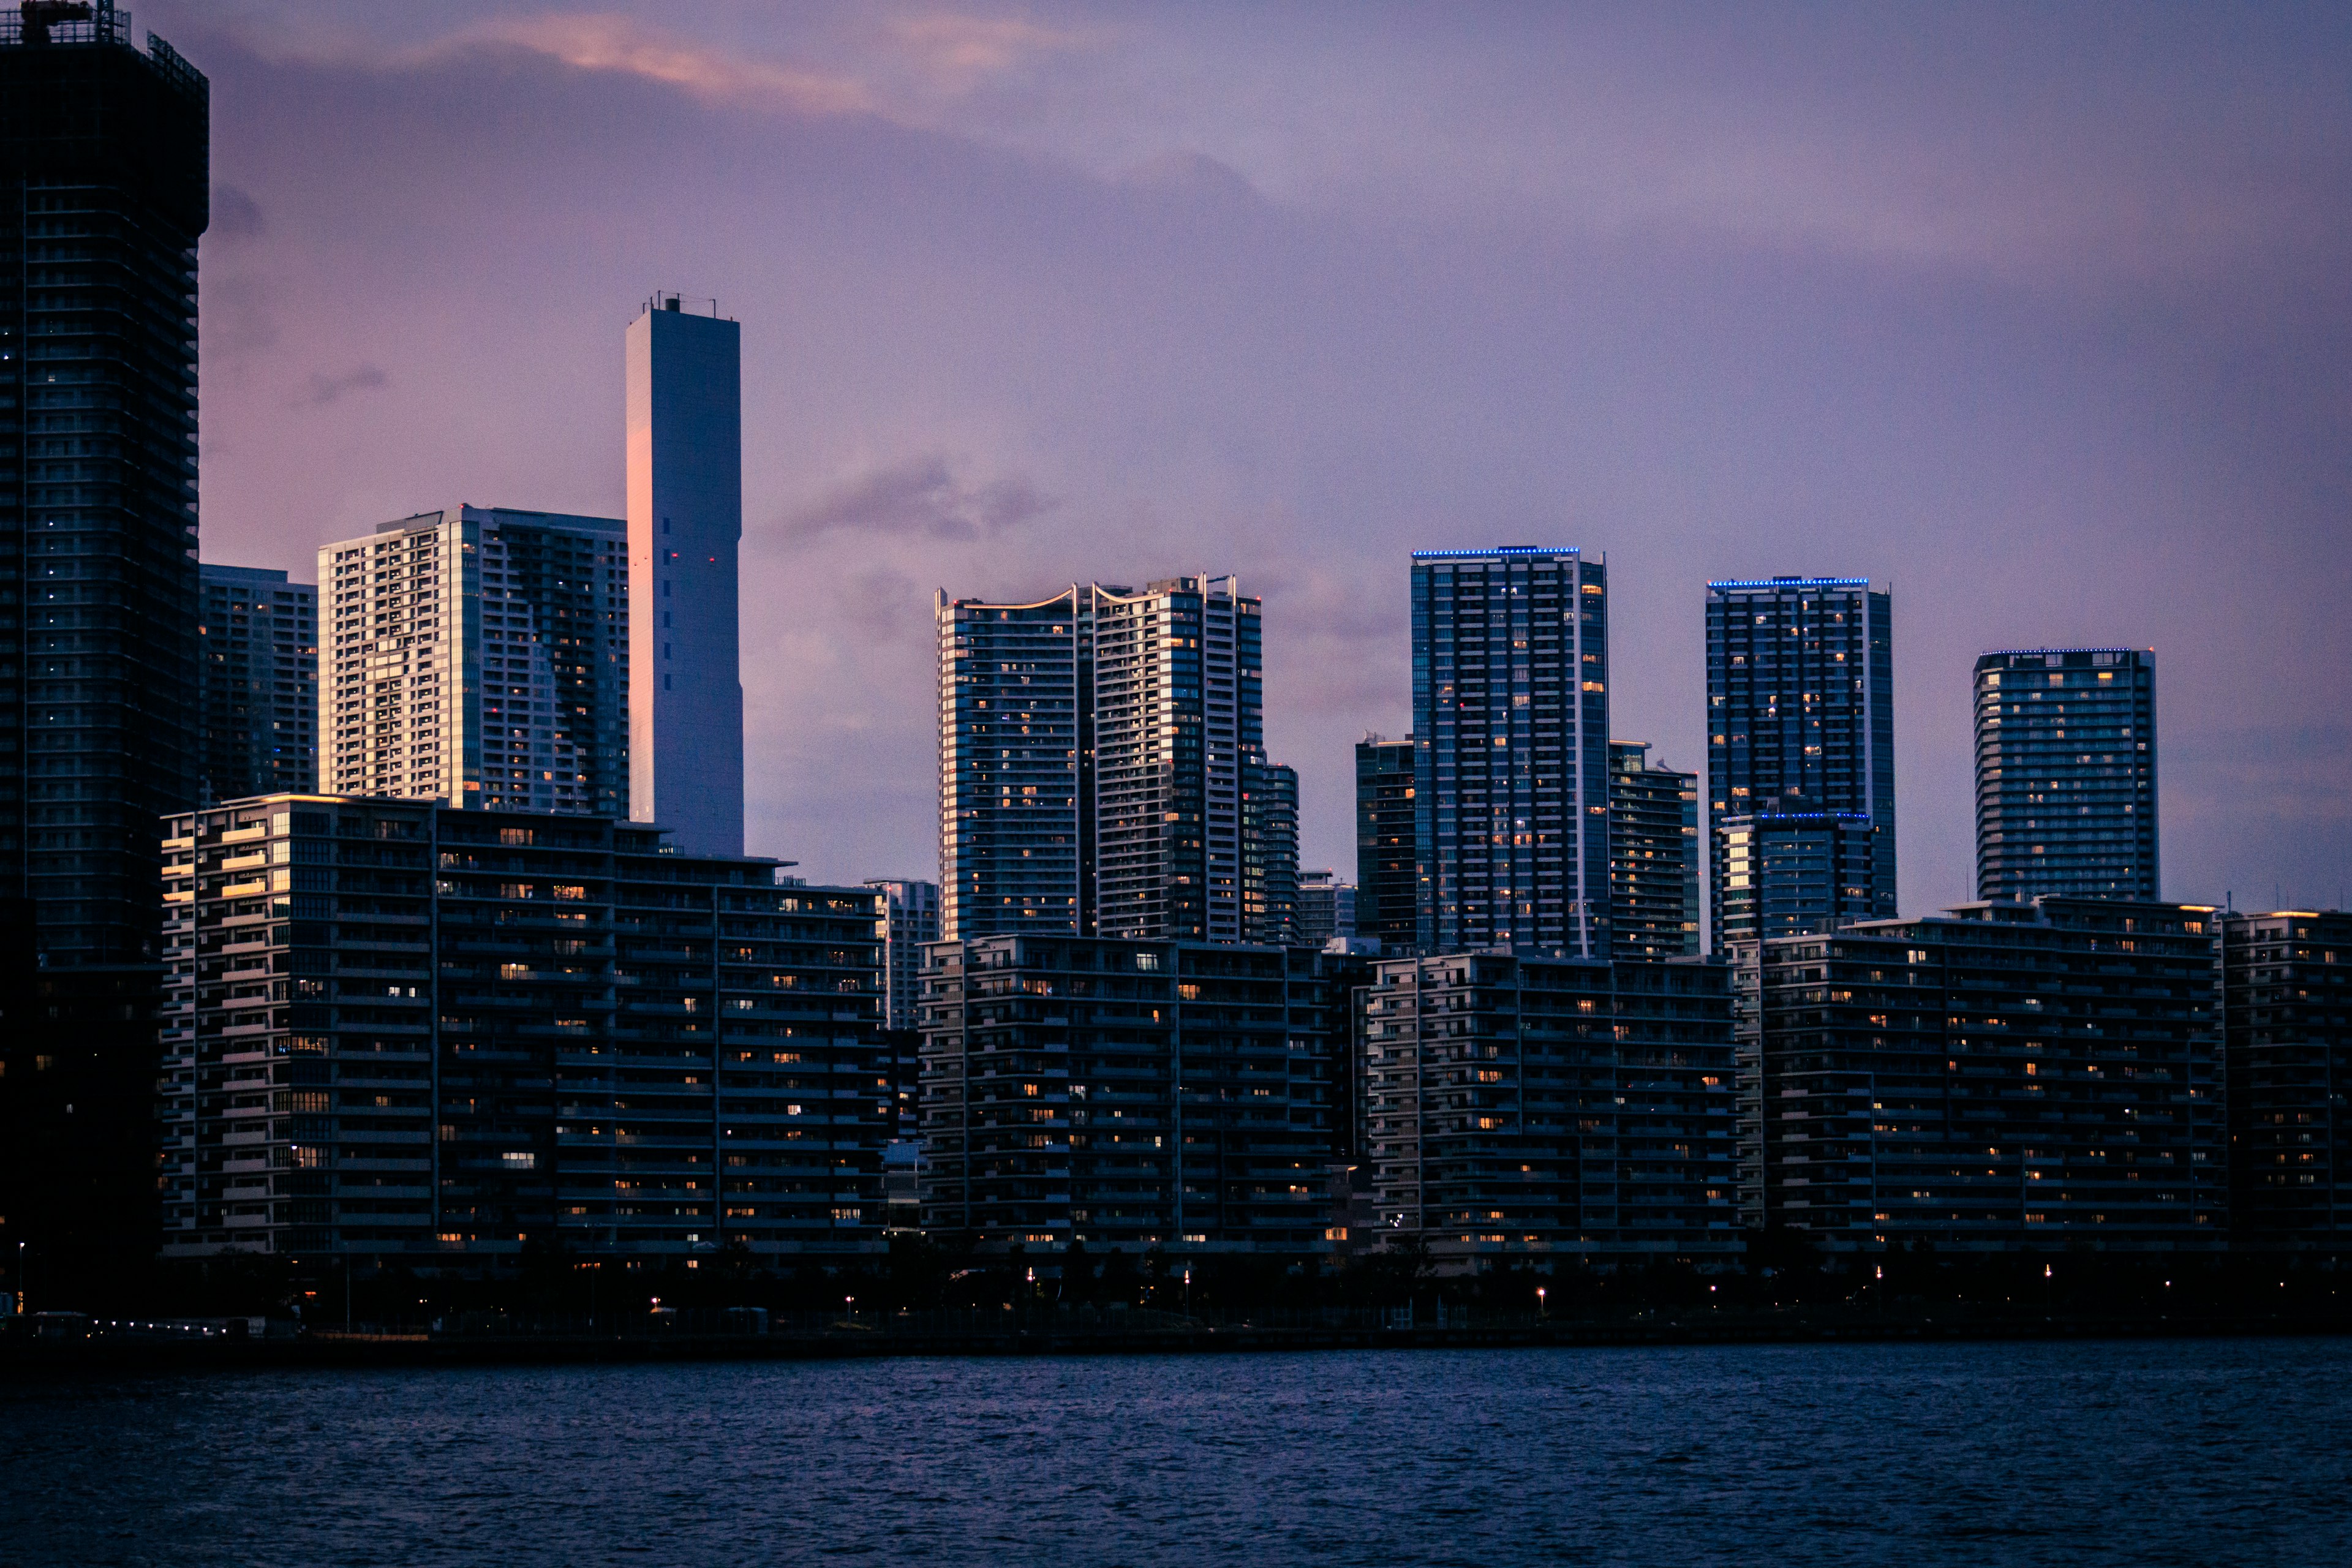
[(2287, 992), (2003, 1075), (1563, 1107), (399, 1029), (1652, 855), (1131, 1095), (478, 655), (2067, 773)]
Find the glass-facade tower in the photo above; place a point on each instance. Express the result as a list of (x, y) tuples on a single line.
[(2067, 773), (104, 188), (1510, 707), (1388, 893), (1800, 719), (261, 679)]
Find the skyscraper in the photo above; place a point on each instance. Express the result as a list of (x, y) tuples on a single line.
[(1269, 851), (1092, 749), (478, 655), (1387, 878), (104, 188), (2067, 773), (911, 918), (686, 524), (1327, 908), (1800, 716), (1652, 855), (1510, 710), (259, 674)]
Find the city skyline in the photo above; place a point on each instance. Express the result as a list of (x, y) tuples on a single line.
[(1854, 385)]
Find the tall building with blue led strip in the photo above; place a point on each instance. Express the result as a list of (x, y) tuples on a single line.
[(1801, 721), (1510, 710)]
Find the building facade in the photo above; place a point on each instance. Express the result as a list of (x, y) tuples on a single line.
[(1791, 874), (1094, 749), (1269, 842), (418, 1034), (1184, 1095), (258, 637), (2287, 990), (2067, 773), (478, 655), (2005, 1075), (1652, 855), (104, 188), (911, 920), (1800, 716), (685, 411), (1327, 908), (1510, 705), (1388, 881), (1577, 1108)]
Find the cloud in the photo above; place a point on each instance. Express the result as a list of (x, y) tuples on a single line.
[(322, 389), (235, 216), (615, 44), (922, 498), (957, 49)]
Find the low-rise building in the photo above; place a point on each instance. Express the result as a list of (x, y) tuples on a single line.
[(1182, 1095), (1569, 1107), (2002, 1075), (395, 1029)]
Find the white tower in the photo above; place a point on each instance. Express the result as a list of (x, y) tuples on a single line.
[(685, 522)]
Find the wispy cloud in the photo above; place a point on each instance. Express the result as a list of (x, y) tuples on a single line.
[(322, 389), (958, 50), (922, 498), (616, 44)]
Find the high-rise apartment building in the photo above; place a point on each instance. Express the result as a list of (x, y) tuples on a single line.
[(2287, 995), (1327, 908), (402, 1030), (260, 710), (1652, 855), (1510, 714), (1093, 752), (1388, 893), (1801, 717), (1793, 873), (104, 188), (1269, 851), (1188, 1096), (686, 527), (478, 655), (1999, 1076), (910, 918), (2067, 773), (1527, 1105)]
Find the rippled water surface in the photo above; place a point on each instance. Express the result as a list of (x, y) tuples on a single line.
[(2188, 1452)]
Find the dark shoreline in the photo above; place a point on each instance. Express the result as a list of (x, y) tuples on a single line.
[(331, 1351)]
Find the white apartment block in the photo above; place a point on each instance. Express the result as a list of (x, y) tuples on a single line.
[(478, 655)]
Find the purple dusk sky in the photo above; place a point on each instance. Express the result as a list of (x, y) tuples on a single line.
[(2039, 316)]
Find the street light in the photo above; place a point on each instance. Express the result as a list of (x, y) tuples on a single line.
[(1541, 1310)]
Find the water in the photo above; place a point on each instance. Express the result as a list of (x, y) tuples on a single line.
[(2200, 1452)]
